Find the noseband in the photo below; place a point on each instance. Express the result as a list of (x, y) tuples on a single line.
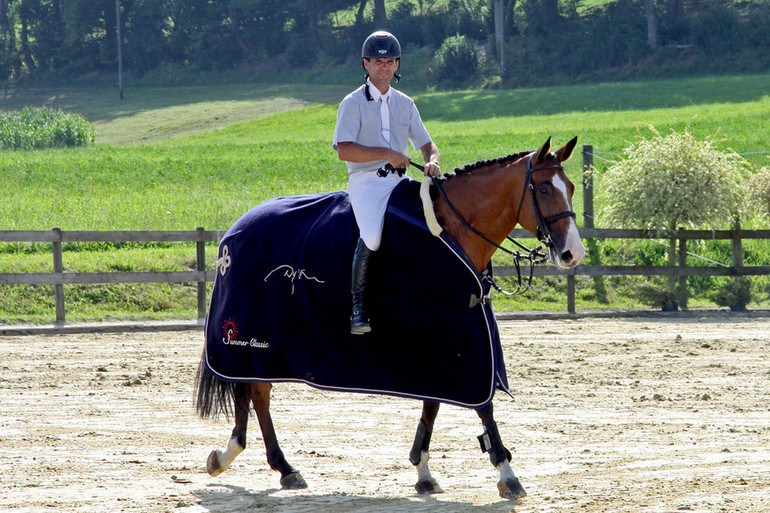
[(543, 231)]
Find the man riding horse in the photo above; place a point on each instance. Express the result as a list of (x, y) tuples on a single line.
[(374, 126), (280, 302)]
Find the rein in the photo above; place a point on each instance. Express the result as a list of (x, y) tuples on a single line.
[(533, 255), (543, 231)]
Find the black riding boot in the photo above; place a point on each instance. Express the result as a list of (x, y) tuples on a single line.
[(359, 323)]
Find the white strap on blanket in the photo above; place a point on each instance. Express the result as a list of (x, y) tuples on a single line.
[(427, 206)]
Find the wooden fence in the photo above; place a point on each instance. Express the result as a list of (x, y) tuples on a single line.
[(681, 271), (58, 278)]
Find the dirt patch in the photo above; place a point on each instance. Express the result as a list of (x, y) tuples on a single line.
[(609, 415)]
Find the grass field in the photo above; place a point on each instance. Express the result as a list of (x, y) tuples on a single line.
[(179, 158)]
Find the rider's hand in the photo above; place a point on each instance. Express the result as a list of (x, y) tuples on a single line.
[(432, 168), (398, 160)]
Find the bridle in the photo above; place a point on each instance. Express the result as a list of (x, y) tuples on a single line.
[(543, 223), (533, 255), (543, 233)]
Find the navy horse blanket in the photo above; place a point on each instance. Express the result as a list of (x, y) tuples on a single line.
[(280, 307)]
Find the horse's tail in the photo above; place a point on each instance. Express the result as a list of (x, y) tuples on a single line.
[(214, 396)]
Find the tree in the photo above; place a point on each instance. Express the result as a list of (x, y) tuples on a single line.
[(91, 34), (380, 15), (672, 182), (652, 24), (675, 9), (360, 12), (379, 11), (8, 34), (144, 24), (503, 14)]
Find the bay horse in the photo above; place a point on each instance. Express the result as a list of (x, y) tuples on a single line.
[(478, 206)]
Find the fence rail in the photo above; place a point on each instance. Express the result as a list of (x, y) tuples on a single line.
[(680, 271), (58, 278)]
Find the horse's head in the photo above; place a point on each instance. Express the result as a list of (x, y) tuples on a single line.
[(546, 204)]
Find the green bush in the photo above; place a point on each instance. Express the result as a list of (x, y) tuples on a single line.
[(734, 294), (760, 191), (654, 293), (38, 128), (673, 182), (717, 30), (456, 60)]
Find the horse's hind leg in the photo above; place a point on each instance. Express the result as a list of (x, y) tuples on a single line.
[(260, 397), (509, 485), (420, 450), (219, 461)]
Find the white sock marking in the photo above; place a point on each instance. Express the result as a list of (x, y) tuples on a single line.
[(227, 457)]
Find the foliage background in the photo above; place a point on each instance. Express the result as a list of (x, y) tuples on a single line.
[(173, 40)]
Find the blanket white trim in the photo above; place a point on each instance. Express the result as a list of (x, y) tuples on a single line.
[(427, 206)]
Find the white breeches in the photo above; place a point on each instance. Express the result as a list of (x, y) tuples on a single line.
[(369, 196)]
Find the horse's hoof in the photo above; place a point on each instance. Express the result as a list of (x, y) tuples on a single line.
[(428, 486), (212, 464), (511, 489), (293, 481)]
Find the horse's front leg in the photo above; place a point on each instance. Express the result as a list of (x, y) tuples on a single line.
[(260, 398), (419, 454), (509, 485)]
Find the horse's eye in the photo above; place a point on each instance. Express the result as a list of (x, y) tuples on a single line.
[(542, 189)]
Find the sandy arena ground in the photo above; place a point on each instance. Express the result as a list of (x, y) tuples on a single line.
[(632, 415)]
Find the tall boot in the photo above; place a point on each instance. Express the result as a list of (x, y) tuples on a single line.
[(359, 322)]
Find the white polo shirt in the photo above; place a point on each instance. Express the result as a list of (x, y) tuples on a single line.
[(360, 120)]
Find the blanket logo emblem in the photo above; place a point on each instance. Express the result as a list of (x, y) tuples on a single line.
[(292, 274), (230, 337), (224, 263), (230, 331)]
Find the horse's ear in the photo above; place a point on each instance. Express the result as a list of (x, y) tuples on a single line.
[(544, 150), (565, 153)]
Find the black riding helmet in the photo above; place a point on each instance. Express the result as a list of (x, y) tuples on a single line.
[(381, 45)]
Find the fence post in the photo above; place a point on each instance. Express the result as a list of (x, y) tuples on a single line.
[(736, 246), (58, 267), (682, 278), (588, 220), (588, 186), (200, 259)]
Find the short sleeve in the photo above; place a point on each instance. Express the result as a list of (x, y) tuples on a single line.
[(348, 122), (418, 134)]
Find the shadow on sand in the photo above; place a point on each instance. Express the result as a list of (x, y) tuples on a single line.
[(227, 498)]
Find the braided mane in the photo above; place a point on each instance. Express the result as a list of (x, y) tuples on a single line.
[(486, 163)]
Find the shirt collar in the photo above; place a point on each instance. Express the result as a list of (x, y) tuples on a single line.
[(376, 94)]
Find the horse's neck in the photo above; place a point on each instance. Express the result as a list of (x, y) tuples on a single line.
[(487, 199)]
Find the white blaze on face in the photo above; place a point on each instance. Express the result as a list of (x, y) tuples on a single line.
[(572, 242)]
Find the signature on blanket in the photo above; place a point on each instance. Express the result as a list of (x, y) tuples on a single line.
[(292, 274)]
